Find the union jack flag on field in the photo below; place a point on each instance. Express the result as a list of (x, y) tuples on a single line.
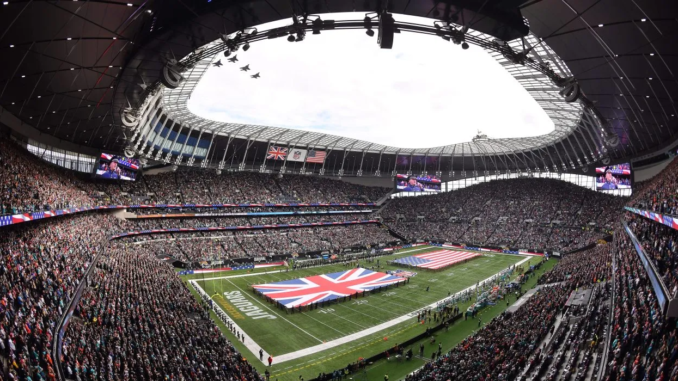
[(276, 153), (322, 288)]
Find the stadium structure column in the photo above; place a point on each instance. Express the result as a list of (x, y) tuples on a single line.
[(143, 125), (168, 157), (156, 141), (343, 159), (179, 158), (425, 159), (205, 161), (440, 159), (451, 174), (191, 159), (149, 146), (250, 140), (145, 109), (378, 171), (360, 169), (222, 163)]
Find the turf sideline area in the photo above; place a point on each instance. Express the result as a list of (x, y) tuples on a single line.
[(254, 347)]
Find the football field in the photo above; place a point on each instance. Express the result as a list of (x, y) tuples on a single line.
[(329, 337)]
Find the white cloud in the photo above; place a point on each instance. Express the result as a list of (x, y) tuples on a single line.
[(424, 92)]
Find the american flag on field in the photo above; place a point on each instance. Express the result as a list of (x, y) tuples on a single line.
[(315, 157), (276, 153), (437, 259), (322, 288)]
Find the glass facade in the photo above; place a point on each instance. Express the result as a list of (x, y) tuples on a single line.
[(67, 159)]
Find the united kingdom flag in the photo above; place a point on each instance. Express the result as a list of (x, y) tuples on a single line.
[(276, 153), (322, 288)]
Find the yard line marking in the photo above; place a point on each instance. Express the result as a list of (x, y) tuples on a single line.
[(371, 330), (348, 320), (249, 342), (292, 272)]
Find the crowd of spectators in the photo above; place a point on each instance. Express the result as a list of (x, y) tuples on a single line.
[(501, 349), (228, 245), (138, 321), (582, 268), (501, 234), (41, 265), (659, 242), (659, 194), (530, 213), (643, 345), (29, 184), (516, 200)]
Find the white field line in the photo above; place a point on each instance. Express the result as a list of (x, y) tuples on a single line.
[(275, 313), (361, 334), (283, 271), (249, 342)]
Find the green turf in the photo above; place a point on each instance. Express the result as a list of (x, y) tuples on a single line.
[(290, 332)]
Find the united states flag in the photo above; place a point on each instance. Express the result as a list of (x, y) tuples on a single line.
[(276, 153), (315, 157), (322, 288), (437, 259)]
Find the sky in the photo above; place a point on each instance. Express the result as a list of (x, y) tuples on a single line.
[(425, 92)]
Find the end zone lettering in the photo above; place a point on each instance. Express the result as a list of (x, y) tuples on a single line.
[(239, 301)]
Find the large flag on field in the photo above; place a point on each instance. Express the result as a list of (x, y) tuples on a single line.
[(437, 259), (315, 156), (322, 288), (276, 153)]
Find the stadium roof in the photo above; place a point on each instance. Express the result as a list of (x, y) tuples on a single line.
[(72, 68), (565, 116)]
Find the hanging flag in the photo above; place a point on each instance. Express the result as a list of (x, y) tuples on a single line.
[(315, 157), (297, 154), (276, 153)]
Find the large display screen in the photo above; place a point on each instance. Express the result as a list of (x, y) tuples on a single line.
[(405, 183), (617, 176), (116, 167)]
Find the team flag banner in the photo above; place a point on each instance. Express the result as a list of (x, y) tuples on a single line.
[(297, 154), (317, 157), (323, 288), (671, 222), (437, 259), (276, 153)]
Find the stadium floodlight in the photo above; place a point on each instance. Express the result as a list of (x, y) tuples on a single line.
[(317, 23), (386, 30), (368, 26)]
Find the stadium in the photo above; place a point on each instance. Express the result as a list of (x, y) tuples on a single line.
[(331, 190)]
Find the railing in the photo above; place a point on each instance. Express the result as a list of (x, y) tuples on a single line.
[(65, 318)]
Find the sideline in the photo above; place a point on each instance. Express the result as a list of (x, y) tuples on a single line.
[(361, 334)]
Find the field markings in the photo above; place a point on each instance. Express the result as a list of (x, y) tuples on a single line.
[(275, 313), (254, 347), (292, 272), (374, 329), (249, 342)]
